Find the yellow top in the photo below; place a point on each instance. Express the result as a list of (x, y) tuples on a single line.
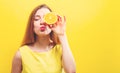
[(41, 62)]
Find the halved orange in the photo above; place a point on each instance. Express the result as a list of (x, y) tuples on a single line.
[(50, 18)]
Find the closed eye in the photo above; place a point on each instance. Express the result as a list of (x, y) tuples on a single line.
[(37, 17)]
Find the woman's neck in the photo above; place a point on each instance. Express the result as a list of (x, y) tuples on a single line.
[(42, 41)]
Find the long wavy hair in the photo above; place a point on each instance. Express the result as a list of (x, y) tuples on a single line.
[(30, 36)]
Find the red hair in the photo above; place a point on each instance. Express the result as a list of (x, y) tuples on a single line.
[(30, 36)]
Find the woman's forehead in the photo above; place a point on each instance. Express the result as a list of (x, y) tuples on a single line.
[(42, 11)]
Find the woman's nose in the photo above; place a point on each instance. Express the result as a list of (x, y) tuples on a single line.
[(42, 21)]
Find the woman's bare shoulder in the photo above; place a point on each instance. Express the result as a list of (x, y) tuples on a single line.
[(17, 56), (17, 63)]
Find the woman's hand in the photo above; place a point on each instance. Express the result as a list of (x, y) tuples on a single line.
[(60, 26)]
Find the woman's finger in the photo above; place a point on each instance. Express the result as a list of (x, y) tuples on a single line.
[(59, 18), (64, 19), (50, 26)]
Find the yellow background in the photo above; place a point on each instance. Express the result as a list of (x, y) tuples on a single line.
[(93, 30)]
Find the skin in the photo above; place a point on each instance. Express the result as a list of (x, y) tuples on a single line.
[(42, 43)]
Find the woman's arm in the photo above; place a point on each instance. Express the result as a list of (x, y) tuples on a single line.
[(67, 58), (17, 63)]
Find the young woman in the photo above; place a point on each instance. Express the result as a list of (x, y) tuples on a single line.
[(45, 48)]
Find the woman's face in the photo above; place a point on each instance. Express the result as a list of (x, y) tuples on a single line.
[(40, 27)]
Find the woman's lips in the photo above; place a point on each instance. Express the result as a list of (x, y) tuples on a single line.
[(42, 28)]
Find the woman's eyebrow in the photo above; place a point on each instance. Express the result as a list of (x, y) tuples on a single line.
[(37, 16)]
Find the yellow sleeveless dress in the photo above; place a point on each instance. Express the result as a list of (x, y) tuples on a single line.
[(41, 62)]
